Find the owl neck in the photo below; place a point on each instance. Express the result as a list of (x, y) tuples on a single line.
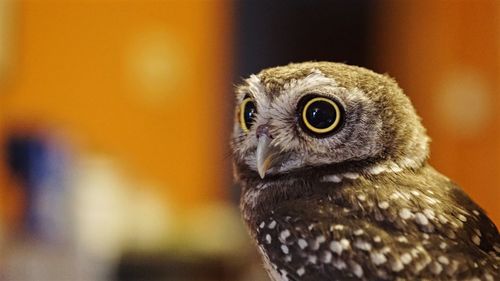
[(259, 195)]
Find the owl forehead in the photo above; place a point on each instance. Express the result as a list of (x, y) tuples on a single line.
[(266, 88), (274, 82)]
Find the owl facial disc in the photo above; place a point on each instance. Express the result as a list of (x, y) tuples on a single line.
[(265, 154)]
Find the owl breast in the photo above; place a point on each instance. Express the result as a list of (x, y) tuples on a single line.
[(367, 228)]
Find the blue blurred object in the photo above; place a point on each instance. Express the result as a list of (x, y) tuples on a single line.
[(38, 164)]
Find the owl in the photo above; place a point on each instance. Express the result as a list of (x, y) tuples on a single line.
[(333, 164)]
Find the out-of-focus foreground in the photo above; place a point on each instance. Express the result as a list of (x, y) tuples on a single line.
[(114, 117)]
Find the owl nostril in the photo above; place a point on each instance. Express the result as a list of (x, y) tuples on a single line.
[(263, 130)]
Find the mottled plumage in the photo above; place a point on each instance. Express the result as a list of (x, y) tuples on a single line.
[(359, 202)]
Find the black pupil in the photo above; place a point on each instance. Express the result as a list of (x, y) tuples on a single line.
[(249, 113), (321, 114)]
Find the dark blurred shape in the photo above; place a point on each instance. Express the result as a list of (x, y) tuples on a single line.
[(36, 162), (24, 151), (172, 268), (26, 156), (270, 33)]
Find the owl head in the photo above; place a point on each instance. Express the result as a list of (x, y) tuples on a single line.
[(324, 117)]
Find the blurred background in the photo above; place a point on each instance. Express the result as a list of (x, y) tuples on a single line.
[(115, 117)]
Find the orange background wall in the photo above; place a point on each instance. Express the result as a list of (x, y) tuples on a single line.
[(446, 56), (90, 69)]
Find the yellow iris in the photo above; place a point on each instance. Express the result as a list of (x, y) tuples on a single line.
[(321, 130), (243, 121)]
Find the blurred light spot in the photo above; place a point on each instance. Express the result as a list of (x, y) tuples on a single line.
[(154, 64), (464, 103), (116, 212), (101, 207)]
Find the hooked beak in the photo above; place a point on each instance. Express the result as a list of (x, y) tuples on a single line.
[(265, 154)]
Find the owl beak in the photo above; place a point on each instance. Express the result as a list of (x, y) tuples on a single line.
[(265, 154)]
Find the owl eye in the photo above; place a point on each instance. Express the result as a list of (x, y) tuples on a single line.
[(319, 116), (247, 113)]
